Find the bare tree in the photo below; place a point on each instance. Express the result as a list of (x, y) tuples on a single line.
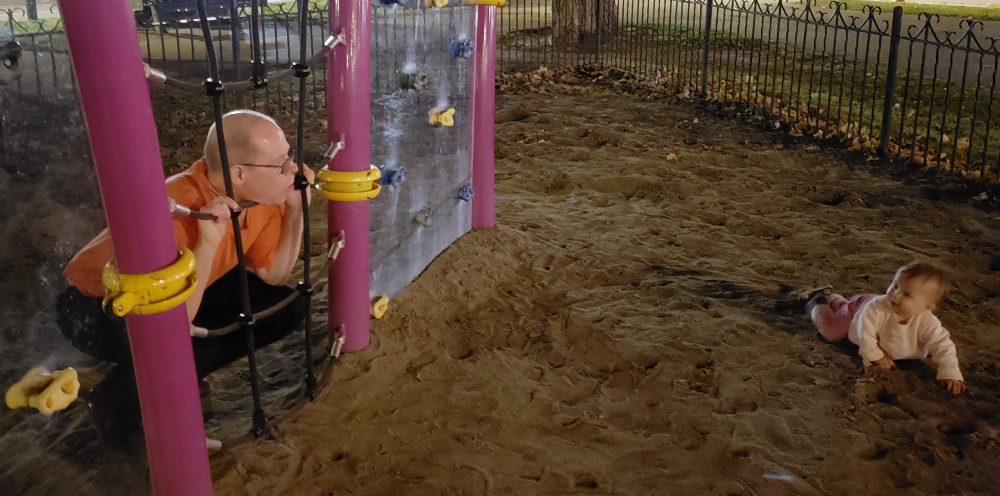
[(583, 24)]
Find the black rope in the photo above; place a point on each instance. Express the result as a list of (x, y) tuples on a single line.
[(257, 78), (222, 331), (305, 286), (214, 89), (244, 84)]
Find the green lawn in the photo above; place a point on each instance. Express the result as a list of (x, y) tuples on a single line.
[(987, 13)]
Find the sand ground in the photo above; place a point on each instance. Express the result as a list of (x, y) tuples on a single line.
[(632, 326)]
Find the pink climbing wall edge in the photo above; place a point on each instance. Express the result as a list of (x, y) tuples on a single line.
[(483, 107), (348, 102), (117, 108)]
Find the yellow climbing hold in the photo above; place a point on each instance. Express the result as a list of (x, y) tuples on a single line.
[(436, 3), (155, 292), (380, 306), (438, 117), (44, 390), (348, 185)]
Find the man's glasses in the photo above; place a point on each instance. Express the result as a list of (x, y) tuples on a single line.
[(289, 166)]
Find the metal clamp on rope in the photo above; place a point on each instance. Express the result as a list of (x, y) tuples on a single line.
[(258, 80), (155, 292), (334, 40), (214, 87), (301, 70), (333, 149), (338, 342), (348, 185), (336, 244), (153, 74), (10, 62)]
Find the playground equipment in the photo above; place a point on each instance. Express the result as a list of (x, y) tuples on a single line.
[(134, 199), (47, 391), (10, 62)]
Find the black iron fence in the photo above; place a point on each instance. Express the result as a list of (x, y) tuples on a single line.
[(920, 88)]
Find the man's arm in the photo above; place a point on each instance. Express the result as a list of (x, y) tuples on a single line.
[(287, 251), (210, 236)]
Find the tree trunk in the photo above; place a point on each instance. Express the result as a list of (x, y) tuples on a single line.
[(584, 24)]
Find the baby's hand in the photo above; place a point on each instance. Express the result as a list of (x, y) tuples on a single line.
[(954, 387), (885, 362)]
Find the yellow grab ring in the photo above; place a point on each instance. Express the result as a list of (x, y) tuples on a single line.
[(348, 185), (155, 292)]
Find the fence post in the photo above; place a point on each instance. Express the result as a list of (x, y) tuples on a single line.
[(32, 8), (235, 30), (708, 37), (890, 80)]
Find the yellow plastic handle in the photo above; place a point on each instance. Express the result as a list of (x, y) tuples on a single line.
[(47, 391), (348, 185), (155, 292)]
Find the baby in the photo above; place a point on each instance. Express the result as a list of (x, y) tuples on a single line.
[(895, 326)]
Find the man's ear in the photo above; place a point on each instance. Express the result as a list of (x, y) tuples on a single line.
[(237, 173)]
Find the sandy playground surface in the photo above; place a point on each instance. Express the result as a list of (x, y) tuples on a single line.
[(631, 326)]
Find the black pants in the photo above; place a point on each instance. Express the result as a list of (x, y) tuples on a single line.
[(90, 330)]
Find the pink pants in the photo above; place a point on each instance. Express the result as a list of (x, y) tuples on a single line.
[(834, 318)]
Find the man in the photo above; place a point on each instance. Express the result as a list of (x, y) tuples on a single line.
[(263, 171)]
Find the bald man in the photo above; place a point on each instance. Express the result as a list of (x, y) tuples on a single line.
[(262, 170)]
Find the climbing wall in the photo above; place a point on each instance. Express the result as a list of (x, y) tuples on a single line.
[(421, 66)]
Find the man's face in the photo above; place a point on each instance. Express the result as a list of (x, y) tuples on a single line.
[(269, 175)]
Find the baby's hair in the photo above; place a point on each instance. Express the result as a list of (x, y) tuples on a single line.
[(928, 272)]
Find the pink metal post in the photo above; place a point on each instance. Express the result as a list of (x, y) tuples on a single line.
[(348, 96), (119, 115), (483, 107)]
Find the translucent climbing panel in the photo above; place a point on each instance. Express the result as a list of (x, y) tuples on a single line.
[(420, 73)]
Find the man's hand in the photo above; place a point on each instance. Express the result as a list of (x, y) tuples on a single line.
[(213, 230), (954, 387), (294, 199)]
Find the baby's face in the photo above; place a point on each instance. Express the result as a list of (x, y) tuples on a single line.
[(911, 296)]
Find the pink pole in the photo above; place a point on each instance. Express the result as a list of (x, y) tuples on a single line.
[(119, 115), (483, 108), (348, 97)]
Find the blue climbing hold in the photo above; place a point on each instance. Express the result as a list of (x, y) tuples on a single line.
[(464, 193), (461, 48), (392, 176)]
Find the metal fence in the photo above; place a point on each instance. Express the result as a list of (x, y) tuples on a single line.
[(920, 88)]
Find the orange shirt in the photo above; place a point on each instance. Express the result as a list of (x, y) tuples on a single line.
[(260, 231)]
